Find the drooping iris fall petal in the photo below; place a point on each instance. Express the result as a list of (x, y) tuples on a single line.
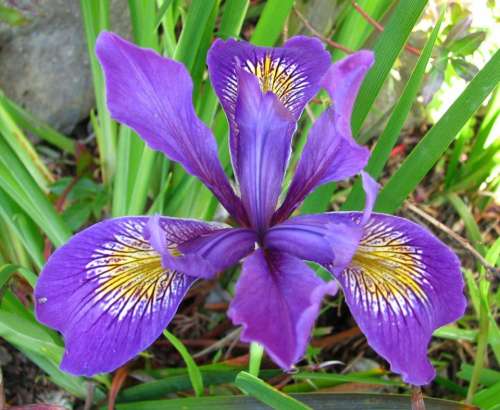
[(277, 300), (402, 284), (107, 292), (292, 72), (153, 95)]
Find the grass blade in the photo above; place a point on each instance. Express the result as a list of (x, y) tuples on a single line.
[(28, 121), (161, 13), (191, 36), (232, 18), (391, 133), (471, 227), (24, 150), (96, 18), (267, 394), (193, 370), (271, 22), (20, 186), (354, 39), (318, 401), (439, 137), (387, 48)]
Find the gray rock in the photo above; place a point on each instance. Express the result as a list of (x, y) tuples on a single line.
[(44, 64)]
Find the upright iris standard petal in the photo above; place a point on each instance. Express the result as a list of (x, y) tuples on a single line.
[(293, 73), (343, 80), (153, 95), (277, 301), (402, 284), (331, 154), (263, 148), (108, 293)]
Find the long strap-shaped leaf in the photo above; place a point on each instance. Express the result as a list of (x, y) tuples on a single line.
[(22, 188), (439, 137), (388, 46), (389, 137), (266, 393)]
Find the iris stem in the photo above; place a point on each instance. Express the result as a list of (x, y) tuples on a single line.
[(256, 352)]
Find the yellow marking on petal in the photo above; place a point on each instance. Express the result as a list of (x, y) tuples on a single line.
[(280, 77), (129, 269), (386, 267)]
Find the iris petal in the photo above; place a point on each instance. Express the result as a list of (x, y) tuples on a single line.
[(330, 239), (402, 284), (343, 80), (277, 300), (263, 149), (293, 73), (153, 95), (108, 293), (331, 154)]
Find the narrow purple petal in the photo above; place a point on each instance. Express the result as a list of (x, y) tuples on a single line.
[(371, 188), (263, 149), (108, 294), (277, 300), (331, 154), (343, 80), (205, 255), (153, 95), (402, 284), (293, 73)]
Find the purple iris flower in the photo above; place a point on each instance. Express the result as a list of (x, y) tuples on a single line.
[(116, 285)]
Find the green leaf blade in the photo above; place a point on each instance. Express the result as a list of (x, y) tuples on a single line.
[(439, 137)]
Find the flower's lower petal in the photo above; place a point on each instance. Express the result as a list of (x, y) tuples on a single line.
[(402, 284), (293, 73), (330, 154), (153, 95), (277, 300), (108, 294), (264, 141)]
